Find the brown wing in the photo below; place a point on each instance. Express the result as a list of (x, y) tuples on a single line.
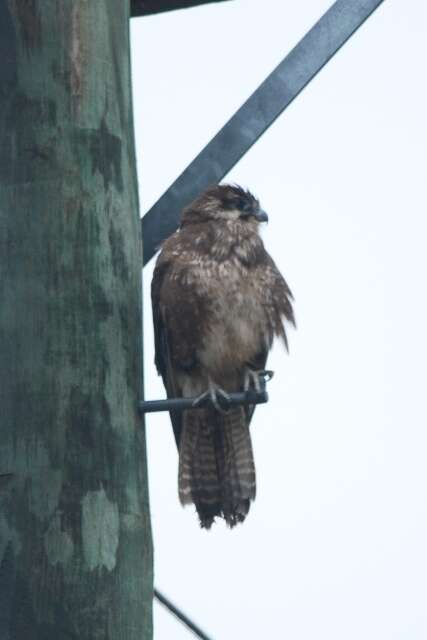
[(177, 316), (276, 297), (278, 300), (161, 346)]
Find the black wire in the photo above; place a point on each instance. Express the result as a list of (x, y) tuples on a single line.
[(181, 616)]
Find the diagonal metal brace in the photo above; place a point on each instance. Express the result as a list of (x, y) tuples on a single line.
[(245, 398), (238, 135)]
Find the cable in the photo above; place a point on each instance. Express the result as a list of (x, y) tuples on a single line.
[(181, 616)]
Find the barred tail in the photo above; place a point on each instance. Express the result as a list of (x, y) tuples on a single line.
[(216, 465)]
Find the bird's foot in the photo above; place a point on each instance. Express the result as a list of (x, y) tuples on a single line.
[(256, 379), (214, 395)]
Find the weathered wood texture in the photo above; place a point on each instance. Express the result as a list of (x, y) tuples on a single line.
[(75, 538), (147, 7)]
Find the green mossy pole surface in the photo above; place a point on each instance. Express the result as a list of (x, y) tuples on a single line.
[(75, 537)]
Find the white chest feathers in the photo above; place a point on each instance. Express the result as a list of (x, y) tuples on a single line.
[(236, 322)]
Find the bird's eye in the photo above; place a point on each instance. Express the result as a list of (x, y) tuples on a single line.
[(245, 207), (229, 204)]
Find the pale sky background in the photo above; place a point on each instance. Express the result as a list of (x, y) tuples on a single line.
[(334, 547)]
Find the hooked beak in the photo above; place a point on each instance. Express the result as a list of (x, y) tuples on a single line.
[(261, 216)]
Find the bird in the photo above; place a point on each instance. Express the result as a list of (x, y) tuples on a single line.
[(218, 302)]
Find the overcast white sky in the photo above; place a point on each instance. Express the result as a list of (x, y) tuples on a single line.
[(335, 545)]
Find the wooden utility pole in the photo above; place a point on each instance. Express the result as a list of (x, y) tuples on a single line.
[(75, 538)]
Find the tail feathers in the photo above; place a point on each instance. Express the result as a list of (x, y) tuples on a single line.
[(238, 470), (216, 465)]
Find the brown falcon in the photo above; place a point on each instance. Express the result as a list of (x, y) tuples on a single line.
[(218, 301)]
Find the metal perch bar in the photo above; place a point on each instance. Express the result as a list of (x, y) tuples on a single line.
[(249, 397)]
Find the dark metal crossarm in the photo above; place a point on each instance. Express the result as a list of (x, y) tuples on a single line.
[(147, 7), (245, 398)]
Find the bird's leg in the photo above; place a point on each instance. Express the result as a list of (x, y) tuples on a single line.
[(252, 378), (213, 395)]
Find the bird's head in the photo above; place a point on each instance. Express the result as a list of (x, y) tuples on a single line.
[(225, 203)]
